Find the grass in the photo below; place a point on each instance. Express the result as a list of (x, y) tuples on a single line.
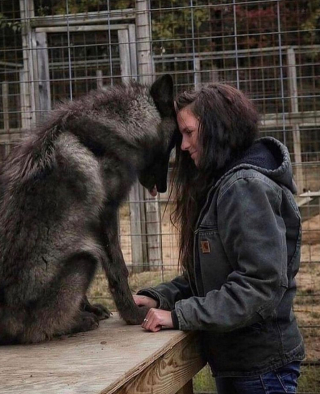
[(309, 381), (203, 382)]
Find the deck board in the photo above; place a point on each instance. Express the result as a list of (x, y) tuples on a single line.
[(103, 360)]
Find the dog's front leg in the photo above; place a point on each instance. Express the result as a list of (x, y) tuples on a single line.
[(117, 275)]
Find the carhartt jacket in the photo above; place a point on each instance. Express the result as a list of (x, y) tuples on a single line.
[(246, 257)]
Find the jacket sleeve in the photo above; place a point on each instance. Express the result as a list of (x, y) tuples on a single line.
[(167, 294), (253, 236)]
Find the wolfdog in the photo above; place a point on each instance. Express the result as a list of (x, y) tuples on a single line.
[(60, 191)]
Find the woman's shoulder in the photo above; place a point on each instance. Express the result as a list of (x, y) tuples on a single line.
[(246, 180)]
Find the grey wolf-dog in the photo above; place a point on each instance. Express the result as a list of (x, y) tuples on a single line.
[(60, 191)]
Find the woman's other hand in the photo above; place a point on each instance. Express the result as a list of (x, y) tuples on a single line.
[(157, 319)]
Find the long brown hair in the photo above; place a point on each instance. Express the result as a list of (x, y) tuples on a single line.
[(228, 125)]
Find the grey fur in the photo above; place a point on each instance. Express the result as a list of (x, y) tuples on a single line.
[(60, 191)]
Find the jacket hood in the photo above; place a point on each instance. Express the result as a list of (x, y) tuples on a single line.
[(270, 157)]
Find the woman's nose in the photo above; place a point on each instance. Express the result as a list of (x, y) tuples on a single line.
[(184, 144)]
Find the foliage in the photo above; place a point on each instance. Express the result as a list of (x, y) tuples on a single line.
[(6, 23), (174, 22), (59, 7), (312, 23)]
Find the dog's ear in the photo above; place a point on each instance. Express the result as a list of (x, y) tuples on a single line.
[(162, 93)]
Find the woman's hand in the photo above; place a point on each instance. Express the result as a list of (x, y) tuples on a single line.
[(141, 300), (157, 319)]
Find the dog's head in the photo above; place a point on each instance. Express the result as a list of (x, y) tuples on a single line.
[(154, 176)]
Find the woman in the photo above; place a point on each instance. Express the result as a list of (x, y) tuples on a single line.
[(240, 238)]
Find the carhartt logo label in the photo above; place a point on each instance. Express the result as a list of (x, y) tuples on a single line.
[(205, 246)]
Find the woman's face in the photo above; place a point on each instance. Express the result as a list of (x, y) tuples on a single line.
[(189, 128)]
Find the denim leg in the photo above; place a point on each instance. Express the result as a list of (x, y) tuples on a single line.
[(281, 381), (240, 386)]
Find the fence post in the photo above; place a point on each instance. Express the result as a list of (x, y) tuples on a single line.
[(145, 65), (5, 110), (27, 13), (137, 213), (124, 50), (146, 73), (293, 94), (197, 72), (99, 79), (43, 83), (5, 105)]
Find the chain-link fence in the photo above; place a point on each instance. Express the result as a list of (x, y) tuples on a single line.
[(53, 50)]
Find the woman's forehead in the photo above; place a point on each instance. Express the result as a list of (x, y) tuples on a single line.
[(186, 114)]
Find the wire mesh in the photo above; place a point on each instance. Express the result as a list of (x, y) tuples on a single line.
[(53, 50)]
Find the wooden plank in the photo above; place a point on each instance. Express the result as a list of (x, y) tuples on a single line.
[(137, 213), (124, 51), (43, 84), (197, 72), (99, 79), (137, 220), (137, 239), (186, 389), (310, 194), (154, 239), (171, 373), (5, 105), (146, 75), (105, 360), (293, 93), (26, 14), (144, 50), (304, 201), (133, 51), (83, 18), (9, 138), (63, 29), (305, 119), (25, 113)]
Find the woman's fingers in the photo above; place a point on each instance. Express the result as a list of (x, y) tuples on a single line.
[(157, 319)]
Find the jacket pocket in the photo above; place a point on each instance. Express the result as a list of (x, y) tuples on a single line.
[(211, 264)]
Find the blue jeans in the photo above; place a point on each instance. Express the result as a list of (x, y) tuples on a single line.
[(280, 381)]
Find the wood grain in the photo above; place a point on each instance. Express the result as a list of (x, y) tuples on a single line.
[(108, 359), (168, 373)]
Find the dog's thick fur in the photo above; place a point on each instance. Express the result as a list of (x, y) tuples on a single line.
[(60, 191)]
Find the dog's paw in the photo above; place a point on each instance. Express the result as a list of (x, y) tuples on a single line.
[(100, 311), (86, 321)]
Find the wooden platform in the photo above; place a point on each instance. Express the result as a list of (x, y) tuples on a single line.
[(115, 358)]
